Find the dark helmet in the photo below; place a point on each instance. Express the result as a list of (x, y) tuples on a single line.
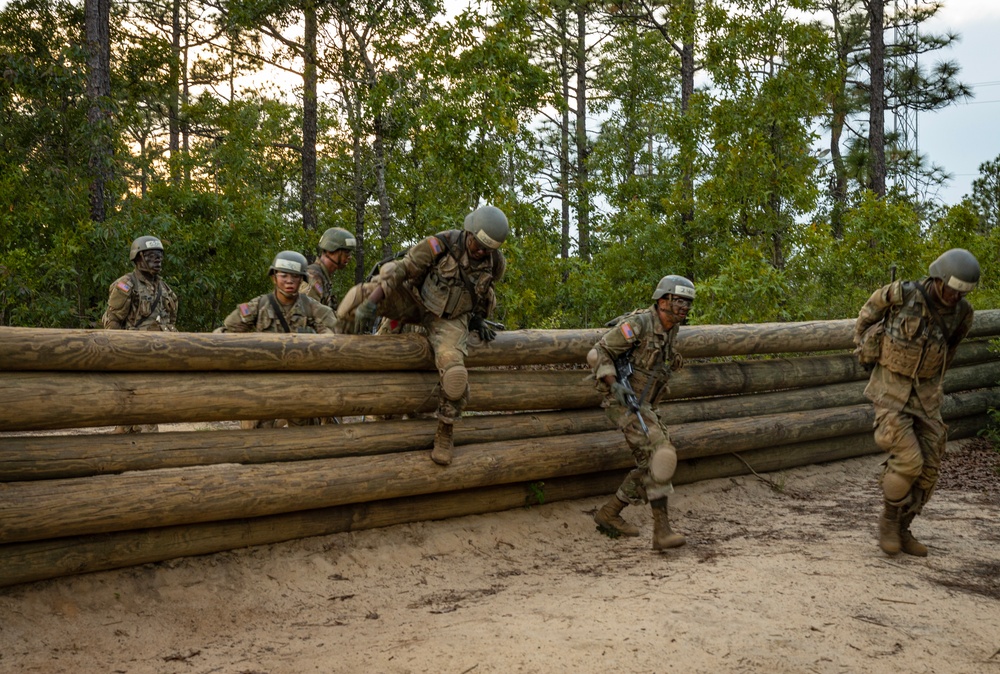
[(958, 268), (335, 239), (674, 285), (144, 243), (289, 262), (489, 225)]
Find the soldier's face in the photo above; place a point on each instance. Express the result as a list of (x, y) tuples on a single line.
[(948, 295), (673, 310), (287, 284), (153, 259), (477, 251), (337, 260)]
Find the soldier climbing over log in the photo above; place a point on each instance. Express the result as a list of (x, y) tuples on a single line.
[(444, 284), (638, 355)]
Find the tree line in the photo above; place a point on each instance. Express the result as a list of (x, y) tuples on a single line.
[(741, 143)]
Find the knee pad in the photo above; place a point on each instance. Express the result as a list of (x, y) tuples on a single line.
[(592, 359), (663, 464), (454, 381), (895, 487)]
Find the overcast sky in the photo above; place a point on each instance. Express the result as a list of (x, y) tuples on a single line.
[(961, 137)]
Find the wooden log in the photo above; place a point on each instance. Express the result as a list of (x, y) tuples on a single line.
[(49, 400), (979, 375), (43, 509), (56, 457), (41, 560), (52, 457), (23, 349)]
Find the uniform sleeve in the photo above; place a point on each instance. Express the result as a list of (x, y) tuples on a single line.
[(412, 266), (243, 317), (960, 332), (312, 286), (874, 309), (119, 304), (323, 319), (615, 342), (170, 305)]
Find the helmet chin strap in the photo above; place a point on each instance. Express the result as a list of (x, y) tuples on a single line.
[(290, 296)]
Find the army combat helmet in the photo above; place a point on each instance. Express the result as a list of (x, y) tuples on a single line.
[(335, 239), (289, 262), (489, 225), (674, 285), (958, 268), (144, 243)]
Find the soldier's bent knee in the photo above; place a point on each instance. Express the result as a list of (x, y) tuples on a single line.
[(663, 465), (454, 381)]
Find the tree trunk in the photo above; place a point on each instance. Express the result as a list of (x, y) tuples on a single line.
[(582, 142), (876, 116), (97, 18), (310, 79)]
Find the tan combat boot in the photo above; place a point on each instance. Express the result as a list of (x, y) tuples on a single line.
[(609, 517), (663, 536), (443, 445), (888, 530), (908, 543)]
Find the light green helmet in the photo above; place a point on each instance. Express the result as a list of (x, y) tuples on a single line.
[(958, 268), (674, 285), (289, 262), (489, 225), (335, 239), (144, 243)]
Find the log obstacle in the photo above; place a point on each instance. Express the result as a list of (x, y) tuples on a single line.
[(78, 503)]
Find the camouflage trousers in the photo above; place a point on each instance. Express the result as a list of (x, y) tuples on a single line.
[(915, 442), (449, 337), (639, 486)]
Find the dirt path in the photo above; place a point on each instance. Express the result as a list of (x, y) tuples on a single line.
[(782, 578)]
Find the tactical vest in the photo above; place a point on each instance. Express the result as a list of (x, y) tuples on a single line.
[(651, 358), (914, 344), (456, 283), (148, 306)]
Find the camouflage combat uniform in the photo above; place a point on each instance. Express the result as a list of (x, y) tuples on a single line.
[(138, 302), (438, 286), (305, 315), (905, 385), (653, 357)]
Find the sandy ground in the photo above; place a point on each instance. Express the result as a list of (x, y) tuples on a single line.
[(779, 577)]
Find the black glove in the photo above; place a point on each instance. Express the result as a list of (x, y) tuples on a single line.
[(478, 324)]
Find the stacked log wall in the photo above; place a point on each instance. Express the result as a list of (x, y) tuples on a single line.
[(774, 396)]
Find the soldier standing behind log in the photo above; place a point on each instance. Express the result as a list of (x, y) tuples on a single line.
[(141, 300), (908, 333), (445, 284), (335, 249), (286, 311), (643, 342)]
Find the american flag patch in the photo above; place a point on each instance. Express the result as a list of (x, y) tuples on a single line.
[(244, 310), (627, 331), (318, 287), (435, 245), (123, 286)]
